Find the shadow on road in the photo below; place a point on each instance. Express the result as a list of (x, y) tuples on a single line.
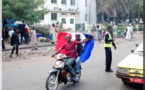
[(135, 86)]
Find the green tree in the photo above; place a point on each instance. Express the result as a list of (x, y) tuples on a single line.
[(29, 10), (116, 8)]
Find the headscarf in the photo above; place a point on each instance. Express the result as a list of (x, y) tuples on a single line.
[(53, 25)]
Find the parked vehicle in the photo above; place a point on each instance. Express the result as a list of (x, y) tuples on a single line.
[(130, 69)]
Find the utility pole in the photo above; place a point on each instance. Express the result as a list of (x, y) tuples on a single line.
[(128, 10), (138, 15), (90, 12), (127, 1)]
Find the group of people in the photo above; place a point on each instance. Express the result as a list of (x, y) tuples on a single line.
[(97, 31), (69, 47), (74, 52), (15, 40), (19, 33)]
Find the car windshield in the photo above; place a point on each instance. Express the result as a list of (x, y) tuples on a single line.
[(139, 49)]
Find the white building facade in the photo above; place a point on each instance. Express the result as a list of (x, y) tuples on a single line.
[(70, 12)]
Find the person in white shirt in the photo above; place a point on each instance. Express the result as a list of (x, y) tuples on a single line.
[(129, 32)]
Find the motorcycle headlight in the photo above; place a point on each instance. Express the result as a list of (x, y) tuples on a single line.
[(123, 70)]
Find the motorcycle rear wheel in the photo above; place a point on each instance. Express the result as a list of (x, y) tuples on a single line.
[(52, 82)]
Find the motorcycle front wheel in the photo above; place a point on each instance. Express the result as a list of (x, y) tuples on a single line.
[(52, 82)]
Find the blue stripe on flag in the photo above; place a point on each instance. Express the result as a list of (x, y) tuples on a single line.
[(87, 49)]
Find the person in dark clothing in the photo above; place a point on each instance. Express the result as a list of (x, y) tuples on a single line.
[(3, 37), (79, 52), (23, 32), (15, 42), (108, 44)]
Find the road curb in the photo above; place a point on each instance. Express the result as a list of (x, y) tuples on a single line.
[(27, 47)]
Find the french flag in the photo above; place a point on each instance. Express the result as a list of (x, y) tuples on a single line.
[(88, 46)]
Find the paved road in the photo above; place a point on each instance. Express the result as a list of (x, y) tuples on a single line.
[(32, 74)]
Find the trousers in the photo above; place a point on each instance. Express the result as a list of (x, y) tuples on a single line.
[(69, 62), (108, 58), (17, 49), (78, 62)]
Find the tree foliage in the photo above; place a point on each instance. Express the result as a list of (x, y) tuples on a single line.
[(28, 10), (118, 7)]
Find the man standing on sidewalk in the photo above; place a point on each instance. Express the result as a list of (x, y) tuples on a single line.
[(108, 44), (33, 37), (23, 32)]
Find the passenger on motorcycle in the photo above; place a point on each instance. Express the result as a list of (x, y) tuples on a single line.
[(71, 52), (79, 52)]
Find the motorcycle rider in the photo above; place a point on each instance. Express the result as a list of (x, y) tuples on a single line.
[(71, 52)]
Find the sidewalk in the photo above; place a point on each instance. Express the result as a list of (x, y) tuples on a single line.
[(45, 44), (25, 46)]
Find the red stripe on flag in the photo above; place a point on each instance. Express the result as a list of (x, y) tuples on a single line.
[(61, 41)]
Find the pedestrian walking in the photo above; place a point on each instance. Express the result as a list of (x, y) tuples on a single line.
[(129, 32), (53, 33), (99, 32), (94, 32), (132, 32), (108, 44), (27, 34), (124, 33), (15, 42), (33, 38)]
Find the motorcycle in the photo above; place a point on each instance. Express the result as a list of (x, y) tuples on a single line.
[(60, 73)]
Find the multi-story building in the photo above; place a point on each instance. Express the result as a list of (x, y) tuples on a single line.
[(70, 12)]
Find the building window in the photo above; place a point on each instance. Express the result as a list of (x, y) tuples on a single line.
[(53, 16), (72, 2), (85, 17), (71, 21), (63, 21), (86, 3), (63, 1), (53, 1), (42, 16)]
